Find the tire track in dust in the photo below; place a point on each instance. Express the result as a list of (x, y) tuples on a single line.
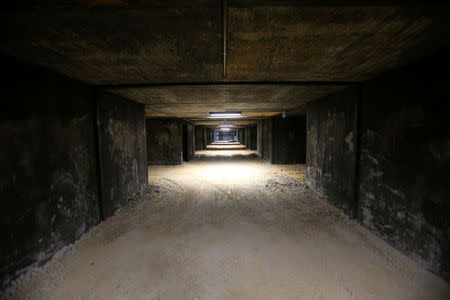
[(171, 185)]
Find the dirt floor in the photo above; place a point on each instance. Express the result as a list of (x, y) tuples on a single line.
[(240, 229), (225, 154), (225, 147)]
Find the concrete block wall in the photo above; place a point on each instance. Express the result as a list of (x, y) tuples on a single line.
[(247, 137), (267, 144), (164, 141), (241, 135), (253, 137), (48, 176), (188, 141), (259, 138), (331, 132), (404, 195), (208, 136), (392, 137), (199, 138), (50, 157), (282, 140), (123, 150), (289, 140)]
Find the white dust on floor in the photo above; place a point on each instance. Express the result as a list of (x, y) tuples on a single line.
[(221, 154), (231, 230)]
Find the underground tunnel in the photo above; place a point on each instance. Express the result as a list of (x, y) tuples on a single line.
[(222, 149)]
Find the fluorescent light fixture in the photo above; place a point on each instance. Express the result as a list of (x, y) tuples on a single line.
[(226, 125), (225, 114), (225, 129)]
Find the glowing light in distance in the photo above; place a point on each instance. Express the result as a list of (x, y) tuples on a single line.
[(225, 114)]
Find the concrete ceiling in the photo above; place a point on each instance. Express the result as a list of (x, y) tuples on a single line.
[(290, 52), (196, 101), (216, 123)]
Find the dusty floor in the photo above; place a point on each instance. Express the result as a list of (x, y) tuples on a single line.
[(231, 230), (225, 154), (226, 147)]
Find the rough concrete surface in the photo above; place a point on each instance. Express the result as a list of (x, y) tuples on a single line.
[(408, 206), (253, 137), (123, 151), (178, 41), (381, 153), (164, 141), (267, 140), (331, 152), (230, 230), (188, 141), (289, 140), (48, 176)]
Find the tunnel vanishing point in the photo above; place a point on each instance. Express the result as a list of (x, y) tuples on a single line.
[(224, 149)]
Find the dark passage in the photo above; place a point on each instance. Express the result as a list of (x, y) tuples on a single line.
[(225, 150)]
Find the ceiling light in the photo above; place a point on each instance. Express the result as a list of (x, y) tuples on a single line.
[(225, 129), (225, 114), (226, 125)]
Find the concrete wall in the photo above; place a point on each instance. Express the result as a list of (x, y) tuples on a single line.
[(164, 144), (48, 174), (253, 137), (247, 137), (405, 163), (331, 127), (208, 136), (402, 160), (56, 135), (281, 141), (205, 138), (289, 140), (188, 141), (241, 136), (267, 140), (122, 149), (259, 138), (199, 138)]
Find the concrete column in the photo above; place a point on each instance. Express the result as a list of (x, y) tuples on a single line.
[(253, 137), (123, 151), (199, 138), (164, 143), (188, 141), (259, 138), (247, 137), (206, 136), (242, 136), (283, 140), (381, 146), (209, 136), (289, 140), (69, 146), (267, 144)]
